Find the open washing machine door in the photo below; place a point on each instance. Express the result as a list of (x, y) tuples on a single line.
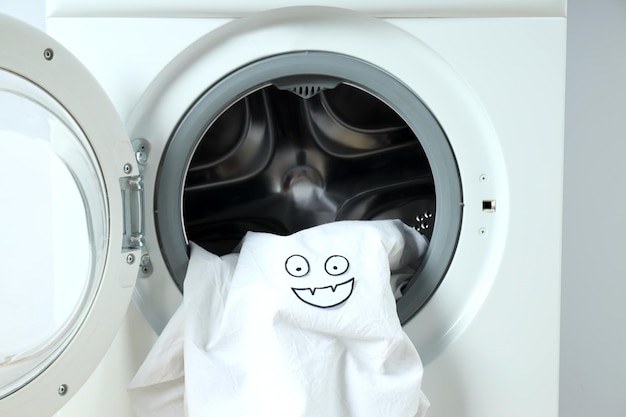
[(70, 222)]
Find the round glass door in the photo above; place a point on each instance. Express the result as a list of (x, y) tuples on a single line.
[(53, 230)]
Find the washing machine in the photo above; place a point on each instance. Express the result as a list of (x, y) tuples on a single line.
[(132, 129)]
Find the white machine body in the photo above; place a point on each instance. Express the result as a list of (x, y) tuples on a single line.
[(492, 74)]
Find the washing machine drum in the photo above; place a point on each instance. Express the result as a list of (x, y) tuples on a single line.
[(279, 162), (301, 139)]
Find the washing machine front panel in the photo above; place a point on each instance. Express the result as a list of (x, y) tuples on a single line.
[(453, 105), (494, 85), (67, 269)]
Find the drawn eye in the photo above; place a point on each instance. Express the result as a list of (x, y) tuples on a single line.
[(297, 266), (336, 265)]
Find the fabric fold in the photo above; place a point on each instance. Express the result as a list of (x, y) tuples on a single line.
[(298, 325)]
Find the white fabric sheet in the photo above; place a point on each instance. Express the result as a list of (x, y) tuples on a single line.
[(299, 325)]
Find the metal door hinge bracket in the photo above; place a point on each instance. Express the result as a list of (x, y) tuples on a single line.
[(142, 151), (132, 205), (133, 222), (132, 188)]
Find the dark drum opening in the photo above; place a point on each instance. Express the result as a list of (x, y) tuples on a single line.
[(305, 138), (278, 162)]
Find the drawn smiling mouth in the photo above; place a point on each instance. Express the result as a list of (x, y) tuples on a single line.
[(325, 297)]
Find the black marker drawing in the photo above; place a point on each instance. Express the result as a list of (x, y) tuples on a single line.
[(327, 296), (297, 266)]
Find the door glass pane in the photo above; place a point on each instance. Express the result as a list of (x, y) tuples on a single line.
[(52, 230)]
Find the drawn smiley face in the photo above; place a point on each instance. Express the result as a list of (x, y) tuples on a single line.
[(327, 296)]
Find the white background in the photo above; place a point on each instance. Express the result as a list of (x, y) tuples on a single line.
[(593, 331)]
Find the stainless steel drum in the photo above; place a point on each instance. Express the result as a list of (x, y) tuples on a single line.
[(302, 139)]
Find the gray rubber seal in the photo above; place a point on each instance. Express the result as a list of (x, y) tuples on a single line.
[(311, 67)]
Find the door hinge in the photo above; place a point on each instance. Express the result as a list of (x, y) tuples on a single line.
[(132, 189), (132, 206), (133, 233)]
